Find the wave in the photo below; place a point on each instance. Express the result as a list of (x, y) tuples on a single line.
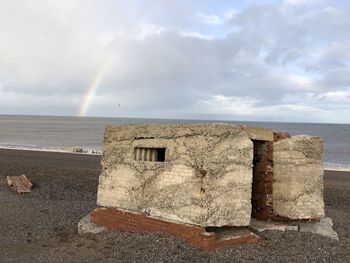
[(75, 150), (337, 167)]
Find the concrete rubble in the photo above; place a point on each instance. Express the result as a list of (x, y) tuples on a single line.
[(323, 228), (260, 226), (85, 226), (20, 184), (298, 177)]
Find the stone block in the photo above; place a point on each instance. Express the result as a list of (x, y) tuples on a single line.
[(258, 133), (298, 177)]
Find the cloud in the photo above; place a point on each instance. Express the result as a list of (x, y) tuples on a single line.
[(230, 105), (284, 61), (19, 103), (195, 34), (210, 19), (340, 96), (301, 2), (252, 108)]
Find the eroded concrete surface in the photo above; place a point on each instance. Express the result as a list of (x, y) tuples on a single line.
[(205, 180), (205, 176), (298, 177)]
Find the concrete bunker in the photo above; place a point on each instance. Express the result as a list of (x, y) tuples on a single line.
[(207, 175)]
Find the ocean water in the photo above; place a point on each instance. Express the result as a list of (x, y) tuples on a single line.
[(68, 133)]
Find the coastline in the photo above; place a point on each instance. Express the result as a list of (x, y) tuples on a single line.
[(337, 167), (72, 150), (98, 152)]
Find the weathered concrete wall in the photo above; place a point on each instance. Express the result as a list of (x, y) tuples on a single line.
[(298, 177), (205, 180)]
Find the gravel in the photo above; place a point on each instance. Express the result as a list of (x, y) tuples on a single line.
[(42, 226)]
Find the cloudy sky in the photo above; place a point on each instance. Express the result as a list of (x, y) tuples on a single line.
[(232, 60)]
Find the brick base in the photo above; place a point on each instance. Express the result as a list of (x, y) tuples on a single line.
[(280, 135), (195, 235)]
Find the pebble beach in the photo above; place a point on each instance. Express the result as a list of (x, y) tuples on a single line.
[(42, 226)]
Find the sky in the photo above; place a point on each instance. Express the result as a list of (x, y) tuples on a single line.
[(283, 60)]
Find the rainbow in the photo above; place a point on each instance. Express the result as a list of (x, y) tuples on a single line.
[(92, 88)]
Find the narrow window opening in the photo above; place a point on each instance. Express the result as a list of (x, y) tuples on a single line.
[(149, 154), (262, 180)]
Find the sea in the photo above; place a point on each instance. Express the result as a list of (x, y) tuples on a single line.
[(84, 135)]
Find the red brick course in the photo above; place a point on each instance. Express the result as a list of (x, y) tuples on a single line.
[(195, 235), (280, 135)]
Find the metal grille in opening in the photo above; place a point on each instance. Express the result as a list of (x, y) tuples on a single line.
[(149, 154)]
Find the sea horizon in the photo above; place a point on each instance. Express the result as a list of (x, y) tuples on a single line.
[(85, 134), (167, 119)]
